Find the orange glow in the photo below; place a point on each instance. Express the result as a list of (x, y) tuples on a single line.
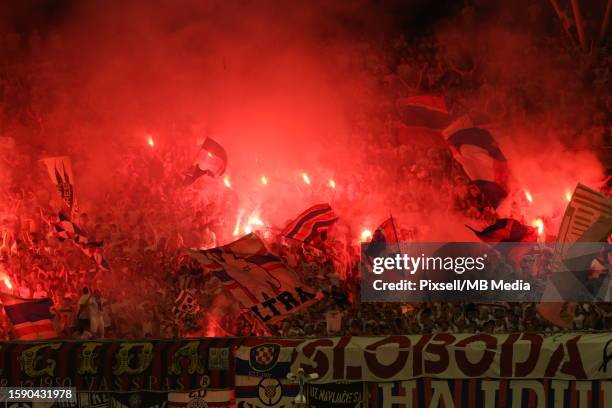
[(539, 225), (366, 235), (331, 183), (264, 180), (227, 182), (150, 141), (528, 196), (306, 178)]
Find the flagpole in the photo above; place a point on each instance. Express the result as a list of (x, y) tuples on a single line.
[(399, 249)]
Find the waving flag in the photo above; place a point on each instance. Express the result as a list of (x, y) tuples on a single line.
[(31, 318), (66, 229), (482, 160), (310, 223), (424, 111), (587, 218), (384, 234), (211, 160), (506, 230), (60, 172), (256, 278)]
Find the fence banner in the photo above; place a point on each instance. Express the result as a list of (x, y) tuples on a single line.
[(156, 365), (468, 393), (454, 356), (335, 395)]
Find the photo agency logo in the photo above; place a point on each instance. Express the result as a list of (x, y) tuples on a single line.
[(471, 271)]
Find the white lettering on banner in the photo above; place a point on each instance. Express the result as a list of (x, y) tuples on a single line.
[(444, 355), (425, 393)]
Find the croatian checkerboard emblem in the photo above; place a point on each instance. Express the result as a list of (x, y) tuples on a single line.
[(264, 357)]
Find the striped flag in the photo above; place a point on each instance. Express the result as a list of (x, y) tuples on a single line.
[(201, 399), (66, 229), (31, 318), (506, 230), (424, 111), (211, 161), (587, 218), (310, 223), (586, 209), (481, 158), (254, 276), (60, 172)]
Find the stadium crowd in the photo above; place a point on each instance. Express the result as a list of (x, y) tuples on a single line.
[(148, 222)]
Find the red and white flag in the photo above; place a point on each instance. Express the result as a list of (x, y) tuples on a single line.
[(31, 318)]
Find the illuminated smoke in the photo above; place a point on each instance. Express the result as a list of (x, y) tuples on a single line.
[(366, 235)]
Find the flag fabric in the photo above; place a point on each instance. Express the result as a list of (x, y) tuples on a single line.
[(66, 229), (255, 278), (60, 172), (385, 233), (506, 230), (211, 161), (261, 367), (482, 160), (309, 224), (185, 304), (587, 218), (586, 209), (424, 111), (201, 399), (31, 318)]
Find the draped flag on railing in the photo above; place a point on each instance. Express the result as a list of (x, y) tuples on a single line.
[(256, 278), (31, 318), (481, 158), (66, 229), (309, 224), (211, 160), (60, 172)]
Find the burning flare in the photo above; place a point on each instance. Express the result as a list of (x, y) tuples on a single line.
[(366, 235), (568, 195), (7, 282), (539, 225), (150, 141), (264, 180), (306, 178), (227, 182), (528, 196), (332, 183)]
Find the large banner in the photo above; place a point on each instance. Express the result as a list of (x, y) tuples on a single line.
[(428, 393), (180, 365), (454, 356)]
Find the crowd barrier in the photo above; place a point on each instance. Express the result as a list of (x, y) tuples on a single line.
[(439, 370)]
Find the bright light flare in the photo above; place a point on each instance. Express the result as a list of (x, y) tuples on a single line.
[(568, 196), (366, 235), (538, 224), (227, 182), (150, 141), (264, 180), (7, 282), (253, 223), (306, 178), (331, 183), (528, 196)]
